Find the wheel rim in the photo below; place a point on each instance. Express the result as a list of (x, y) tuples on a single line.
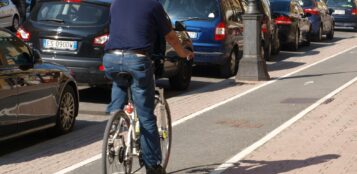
[(67, 111), (16, 23), (320, 34), (118, 156), (233, 62)]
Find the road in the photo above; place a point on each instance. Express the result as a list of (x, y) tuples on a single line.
[(206, 141)]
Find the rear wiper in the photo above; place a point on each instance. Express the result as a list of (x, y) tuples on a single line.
[(53, 20)]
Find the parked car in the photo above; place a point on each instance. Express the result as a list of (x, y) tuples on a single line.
[(321, 19), (270, 34), (216, 29), (9, 16), (33, 95), (345, 12), (294, 25), (73, 33)]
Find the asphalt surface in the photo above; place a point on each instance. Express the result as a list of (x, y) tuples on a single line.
[(203, 143)]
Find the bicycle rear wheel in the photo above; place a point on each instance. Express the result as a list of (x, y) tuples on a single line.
[(162, 113), (116, 156)]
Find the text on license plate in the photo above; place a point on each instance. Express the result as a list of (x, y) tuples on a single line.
[(60, 44), (193, 35), (340, 12)]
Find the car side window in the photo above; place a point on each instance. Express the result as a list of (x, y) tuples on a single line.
[(4, 3), (13, 51)]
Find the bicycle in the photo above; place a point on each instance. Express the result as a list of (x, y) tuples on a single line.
[(121, 142)]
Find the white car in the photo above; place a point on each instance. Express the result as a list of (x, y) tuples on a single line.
[(9, 16)]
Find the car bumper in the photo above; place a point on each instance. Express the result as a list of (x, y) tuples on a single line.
[(345, 21), (85, 70), (209, 58)]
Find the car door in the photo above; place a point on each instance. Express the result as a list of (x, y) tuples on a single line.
[(36, 88), (5, 15), (8, 96)]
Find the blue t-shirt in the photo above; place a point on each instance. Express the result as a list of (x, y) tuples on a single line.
[(136, 24)]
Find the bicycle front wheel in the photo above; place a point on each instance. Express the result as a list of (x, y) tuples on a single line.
[(116, 155), (163, 116)]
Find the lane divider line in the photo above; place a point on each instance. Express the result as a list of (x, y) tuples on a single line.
[(182, 120)]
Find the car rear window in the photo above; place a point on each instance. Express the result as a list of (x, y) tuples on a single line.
[(184, 9), (71, 13), (307, 3), (342, 3), (280, 6)]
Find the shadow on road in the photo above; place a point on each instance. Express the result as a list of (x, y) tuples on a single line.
[(260, 167), (276, 167), (42, 144)]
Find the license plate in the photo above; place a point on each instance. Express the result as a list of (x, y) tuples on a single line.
[(60, 44), (193, 35), (339, 12)]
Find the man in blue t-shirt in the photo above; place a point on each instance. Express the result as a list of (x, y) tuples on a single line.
[(134, 27)]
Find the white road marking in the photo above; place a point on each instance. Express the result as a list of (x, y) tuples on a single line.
[(309, 83), (246, 151)]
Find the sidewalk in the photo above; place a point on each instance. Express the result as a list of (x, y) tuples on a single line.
[(322, 142)]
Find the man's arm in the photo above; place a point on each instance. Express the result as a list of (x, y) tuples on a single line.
[(173, 40)]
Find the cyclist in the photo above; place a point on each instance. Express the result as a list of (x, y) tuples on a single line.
[(134, 26)]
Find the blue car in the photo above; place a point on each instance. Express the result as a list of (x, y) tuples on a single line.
[(345, 12), (321, 19), (216, 29)]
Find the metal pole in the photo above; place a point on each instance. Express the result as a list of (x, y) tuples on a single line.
[(252, 66)]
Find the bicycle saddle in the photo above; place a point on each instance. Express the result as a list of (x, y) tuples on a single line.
[(123, 79)]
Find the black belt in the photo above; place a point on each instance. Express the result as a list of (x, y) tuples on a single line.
[(139, 53)]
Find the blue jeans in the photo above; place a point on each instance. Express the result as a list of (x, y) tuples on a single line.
[(143, 93)]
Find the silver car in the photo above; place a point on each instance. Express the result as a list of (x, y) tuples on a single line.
[(9, 16)]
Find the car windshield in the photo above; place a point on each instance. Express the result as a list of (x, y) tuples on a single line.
[(341, 3), (71, 13), (191, 9), (306, 3), (280, 6)]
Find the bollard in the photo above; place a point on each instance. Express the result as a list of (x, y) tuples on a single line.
[(252, 66)]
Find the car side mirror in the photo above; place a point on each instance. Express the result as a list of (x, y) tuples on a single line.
[(36, 57), (330, 11), (180, 26)]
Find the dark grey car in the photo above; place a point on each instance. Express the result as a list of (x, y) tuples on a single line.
[(73, 33), (33, 95), (345, 12)]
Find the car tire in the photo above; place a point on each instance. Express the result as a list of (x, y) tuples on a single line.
[(230, 67), (66, 114), (295, 45), (331, 34), (276, 48), (181, 80), (268, 52), (318, 35), (307, 41), (15, 23)]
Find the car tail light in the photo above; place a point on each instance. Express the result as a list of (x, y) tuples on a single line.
[(264, 28), (23, 34), (220, 32), (354, 11), (101, 68), (101, 40), (312, 11), (73, 1), (283, 20)]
